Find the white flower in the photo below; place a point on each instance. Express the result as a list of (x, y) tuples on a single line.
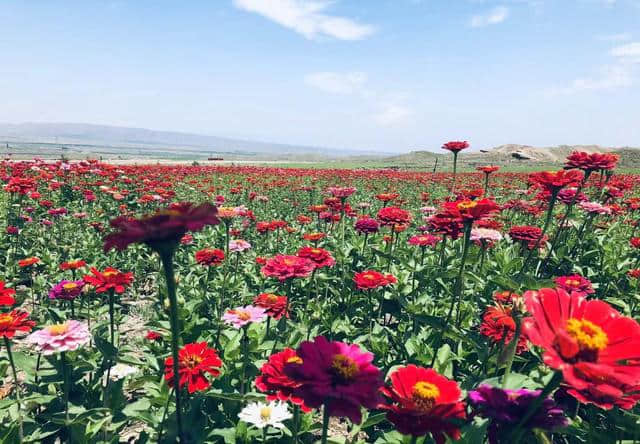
[(120, 371), (262, 415)]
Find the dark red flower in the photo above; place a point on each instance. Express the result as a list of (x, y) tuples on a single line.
[(592, 344), (276, 383), (209, 257), (166, 226), (422, 401), (109, 279), (371, 279), (528, 235), (194, 362), (591, 161), (635, 242), (575, 282), (367, 225)]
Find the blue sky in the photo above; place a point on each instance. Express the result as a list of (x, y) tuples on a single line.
[(390, 75)]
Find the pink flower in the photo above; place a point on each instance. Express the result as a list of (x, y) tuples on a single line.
[(594, 207), (338, 375), (64, 337), (241, 316), (238, 245), (341, 192)]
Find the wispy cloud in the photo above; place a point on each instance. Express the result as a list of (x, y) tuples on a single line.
[(497, 15), (307, 17), (337, 83), (620, 74), (388, 109)]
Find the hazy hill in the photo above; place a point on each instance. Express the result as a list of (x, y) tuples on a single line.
[(141, 139)]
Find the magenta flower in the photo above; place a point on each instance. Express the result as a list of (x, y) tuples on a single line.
[(67, 290), (57, 338), (338, 375), (241, 316)]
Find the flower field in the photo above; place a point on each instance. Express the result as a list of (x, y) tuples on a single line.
[(248, 304)]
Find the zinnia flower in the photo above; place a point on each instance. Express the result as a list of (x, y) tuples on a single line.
[(592, 344), (275, 306), (337, 375), (165, 226), (209, 257), (367, 225), (498, 325), (67, 290), (424, 240), (575, 282), (194, 362), (276, 383), (390, 216), (371, 279), (6, 295), (14, 321), (68, 336), (528, 235), (27, 262), (591, 161), (238, 245), (455, 146), (470, 210), (109, 279), (507, 407), (319, 256), (341, 192), (553, 181), (286, 267), (422, 401), (264, 415), (241, 316), (72, 265)]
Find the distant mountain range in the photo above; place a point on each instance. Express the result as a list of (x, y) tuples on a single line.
[(141, 139)]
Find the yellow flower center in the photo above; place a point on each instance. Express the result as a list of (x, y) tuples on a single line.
[(70, 286), (572, 282), (369, 276), (265, 413), (243, 315), (315, 251), (289, 262), (109, 274), (425, 395), (588, 335), (192, 361), (57, 329), (294, 360), (5, 319), (467, 204), (272, 298), (344, 367)]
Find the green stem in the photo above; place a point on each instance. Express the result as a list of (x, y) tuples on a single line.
[(296, 423), (512, 347), (245, 358), (325, 423), (65, 385), (166, 256), (17, 387)]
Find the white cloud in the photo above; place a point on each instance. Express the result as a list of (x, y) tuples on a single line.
[(393, 115), (630, 51), (307, 17), (621, 37), (337, 83), (497, 15), (611, 77)]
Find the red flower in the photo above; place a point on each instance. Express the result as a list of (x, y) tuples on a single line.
[(168, 225), (527, 234), (109, 279), (275, 305), (367, 225), (393, 216), (422, 401), (153, 336), (594, 346), (470, 210), (14, 321), (499, 326), (274, 381), (505, 297), (370, 279), (72, 265), (261, 260), (28, 262), (488, 169), (455, 146), (314, 237), (424, 240), (6, 295), (591, 161), (575, 282), (635, 273), (194, 361), (319, 256), (209, 257), (285, 267), (554, 181), (635, 242)]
